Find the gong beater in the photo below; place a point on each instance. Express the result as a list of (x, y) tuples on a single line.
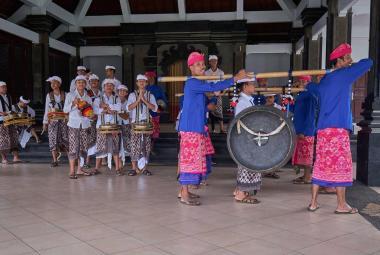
[(261, 139)]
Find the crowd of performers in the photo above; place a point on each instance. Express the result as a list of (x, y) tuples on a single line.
[(322, 116), (322, 120), (89, 106)]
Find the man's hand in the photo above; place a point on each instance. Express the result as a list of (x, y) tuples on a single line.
[(242, 74)]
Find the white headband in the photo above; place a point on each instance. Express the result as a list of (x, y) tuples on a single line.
[(110, 67), (54, 78), (2, 83), (141, 77), (24, 100)]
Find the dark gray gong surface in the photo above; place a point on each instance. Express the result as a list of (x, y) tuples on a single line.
[(274, 152)]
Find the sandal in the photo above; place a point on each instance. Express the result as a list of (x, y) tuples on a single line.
[(86, 166), (147, 172), (84, 173), (312, 209), (272, 175), (190, 202), (248, 200), (191, 195), (132, 173), (301, 180), (352, 211), (54, 164), (95, 172), (119, 173), (73, 176)]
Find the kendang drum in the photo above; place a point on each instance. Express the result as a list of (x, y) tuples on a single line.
[(86, 109), (261, 139), (18, 119)]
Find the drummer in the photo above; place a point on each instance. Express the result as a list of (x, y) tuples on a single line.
[(93, 92), (140, 100), (8, 134), (25, 132), (125, 147), (57, 129), (78, 126), (247, 182), (106, 107), (110, 74), (81, 70), (192, 158)]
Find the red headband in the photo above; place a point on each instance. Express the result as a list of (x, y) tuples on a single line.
[(195, 57), (340, 51), (150, 74), (304, 78)]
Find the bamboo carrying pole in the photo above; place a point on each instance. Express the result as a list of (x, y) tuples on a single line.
[(265, 91), (250, 74)]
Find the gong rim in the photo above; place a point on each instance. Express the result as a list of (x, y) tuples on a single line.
[(267, 109)]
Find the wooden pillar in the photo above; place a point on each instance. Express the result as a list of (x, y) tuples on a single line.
[(41, 24), (368, 148), (338, 28), (128, 66), (239, 57)]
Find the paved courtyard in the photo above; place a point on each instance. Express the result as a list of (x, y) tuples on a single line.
[(44, 212)]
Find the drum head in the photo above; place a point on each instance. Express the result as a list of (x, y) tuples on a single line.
[(265, 141)]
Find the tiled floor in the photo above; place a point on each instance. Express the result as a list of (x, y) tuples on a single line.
[(43, 212)]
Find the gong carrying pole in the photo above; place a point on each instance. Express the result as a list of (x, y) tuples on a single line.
[(250, 74)]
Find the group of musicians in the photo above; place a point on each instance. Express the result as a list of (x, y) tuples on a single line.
[(78, 122), (93, 119)]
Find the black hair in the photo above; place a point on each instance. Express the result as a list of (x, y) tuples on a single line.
[(241, 85)]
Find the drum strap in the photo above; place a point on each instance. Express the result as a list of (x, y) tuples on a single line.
[(274, 132), (53, 102), (6, 106)]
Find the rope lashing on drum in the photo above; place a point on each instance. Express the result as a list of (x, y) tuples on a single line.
[(259, 134)]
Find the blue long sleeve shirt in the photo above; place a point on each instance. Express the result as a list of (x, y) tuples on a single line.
[(306, 111), (158, 94), (194, 103), (335, 91)]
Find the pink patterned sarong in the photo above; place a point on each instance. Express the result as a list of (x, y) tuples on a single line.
[(192, 153), (333, 163), (156, 127), (304, 151)]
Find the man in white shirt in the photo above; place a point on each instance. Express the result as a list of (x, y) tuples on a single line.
[(8, 134), (124, 122), (93, 92), (77, 104), (217, 115), (57, 128), (139, 103), (110, 74), (248, 183), (81, 70), (25, 132), (107, 108)]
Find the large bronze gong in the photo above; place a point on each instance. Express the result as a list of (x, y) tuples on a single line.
[(261, 139)]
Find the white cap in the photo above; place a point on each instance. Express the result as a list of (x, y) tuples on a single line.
[(141, 77), (54, 78), (213, 57), (110, 67), (246, 80), (112, 81), (93, 77), (81, 77), (270, 95), (80, 68), (2, 83), (24, 100), (121, 86)]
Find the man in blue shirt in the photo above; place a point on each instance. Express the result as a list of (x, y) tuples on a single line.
[(333, 163), (192, 155)]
